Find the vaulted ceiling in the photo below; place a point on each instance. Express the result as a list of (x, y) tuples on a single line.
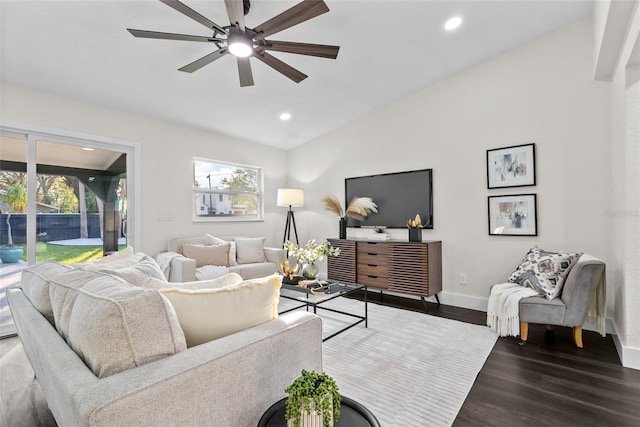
[(388, 50)]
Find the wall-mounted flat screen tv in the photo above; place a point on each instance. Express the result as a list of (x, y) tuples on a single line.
[(399, 196)]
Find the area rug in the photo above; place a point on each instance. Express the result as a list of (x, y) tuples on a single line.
[(408, 368)]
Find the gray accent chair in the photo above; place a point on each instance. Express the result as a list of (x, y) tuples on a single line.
[(571, 307)]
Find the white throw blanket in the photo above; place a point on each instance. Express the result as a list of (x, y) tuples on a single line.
[(597, 314), (502, 313), (164, 262)]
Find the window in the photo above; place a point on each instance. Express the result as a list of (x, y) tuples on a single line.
[(226, 191)]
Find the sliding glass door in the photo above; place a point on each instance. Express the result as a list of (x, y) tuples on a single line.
[(62, 199)]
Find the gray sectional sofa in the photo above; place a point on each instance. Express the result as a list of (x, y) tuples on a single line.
[(229, 381)]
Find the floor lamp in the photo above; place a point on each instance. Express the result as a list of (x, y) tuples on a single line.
[(291, 198)]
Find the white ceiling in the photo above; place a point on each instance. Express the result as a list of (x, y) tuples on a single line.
[(389, 49)]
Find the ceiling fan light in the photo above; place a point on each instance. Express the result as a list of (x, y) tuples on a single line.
[(239, 45)]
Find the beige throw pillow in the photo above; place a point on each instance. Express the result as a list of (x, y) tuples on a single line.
[(250, 250), (207, 254), (220, 282), (114, 326), (232, 247), (209, 314)]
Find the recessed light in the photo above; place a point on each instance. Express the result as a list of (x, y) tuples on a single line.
[(87, 149), (285, 116), (453, 23)]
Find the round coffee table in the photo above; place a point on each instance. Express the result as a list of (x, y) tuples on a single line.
[(352, 414)]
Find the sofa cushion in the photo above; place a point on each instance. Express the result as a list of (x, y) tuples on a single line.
[(226, 280), (207, 254), (35, 284), (208, 314), (209, 272), (113, 325), (137, 273), (232, 247), (254, 270), (250, 250), (544, 271)]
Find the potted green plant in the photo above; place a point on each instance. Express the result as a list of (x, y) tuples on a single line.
[(312, 395)]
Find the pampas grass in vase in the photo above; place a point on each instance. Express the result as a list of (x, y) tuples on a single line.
[(358, 209)]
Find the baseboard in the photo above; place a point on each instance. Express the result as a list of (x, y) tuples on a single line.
[(629, 356), (464, 301)]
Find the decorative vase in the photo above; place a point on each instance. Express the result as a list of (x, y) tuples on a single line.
[(311, 419), (10, 254), (310, 270), (342, 231), (415, 234)]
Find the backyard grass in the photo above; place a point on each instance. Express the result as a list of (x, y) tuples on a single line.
[(66, 254)]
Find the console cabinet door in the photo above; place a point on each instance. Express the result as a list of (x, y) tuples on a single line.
[(415, 268), (343, 266)]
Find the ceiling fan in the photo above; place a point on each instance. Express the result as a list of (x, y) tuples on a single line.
[(244, 42)]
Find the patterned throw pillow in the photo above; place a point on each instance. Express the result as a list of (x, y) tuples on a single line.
[(545, 271)]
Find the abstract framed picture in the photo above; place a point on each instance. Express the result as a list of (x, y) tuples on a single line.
[(514, 215), (511, 166)]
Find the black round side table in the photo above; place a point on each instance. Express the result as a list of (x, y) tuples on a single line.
[(352, 414)]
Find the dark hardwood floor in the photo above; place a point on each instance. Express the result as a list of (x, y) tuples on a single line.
[(547, 382)]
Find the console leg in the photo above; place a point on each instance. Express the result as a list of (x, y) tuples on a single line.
[(424, 303), (437, 299)]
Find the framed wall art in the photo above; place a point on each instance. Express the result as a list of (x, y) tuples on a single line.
[(511, 166), (513, 215)]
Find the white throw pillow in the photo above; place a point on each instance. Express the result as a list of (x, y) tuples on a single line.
[(250, 250), (209, 314), (226, 280), (232, 254)]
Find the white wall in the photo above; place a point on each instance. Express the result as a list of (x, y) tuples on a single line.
[(625, 146), (167, 152), (544, 93)]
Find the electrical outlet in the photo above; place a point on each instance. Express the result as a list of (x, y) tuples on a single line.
[(463, 278)]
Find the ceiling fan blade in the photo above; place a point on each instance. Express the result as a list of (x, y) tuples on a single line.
[(244, 69), (235, 10), (170, 36), (301, 12), (321, 50), (281, 67), (186, 10), (208, 59)]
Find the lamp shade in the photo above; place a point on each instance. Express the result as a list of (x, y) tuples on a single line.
[(291, 197)]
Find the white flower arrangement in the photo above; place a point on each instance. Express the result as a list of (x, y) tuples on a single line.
[(311, 251)]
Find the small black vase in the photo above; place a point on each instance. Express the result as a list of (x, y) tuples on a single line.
[(415, 234), (342, 231)]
